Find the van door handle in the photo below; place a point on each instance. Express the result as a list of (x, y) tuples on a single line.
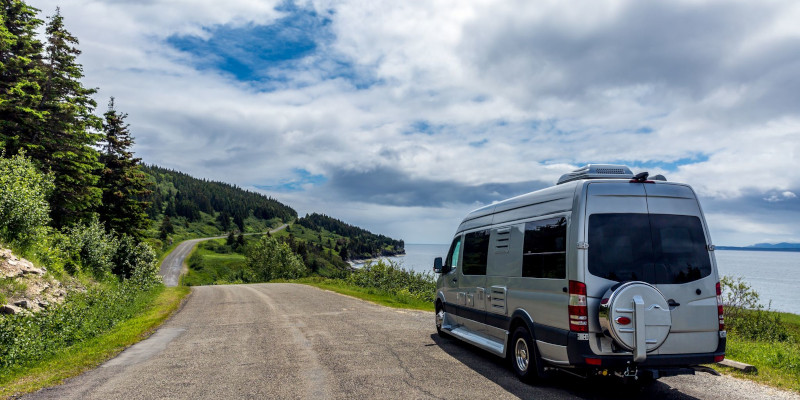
[(673, 303)]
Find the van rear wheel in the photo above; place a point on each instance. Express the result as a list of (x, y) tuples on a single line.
[(524, 356)]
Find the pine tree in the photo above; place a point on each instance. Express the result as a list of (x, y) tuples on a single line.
[(166, 228), (21, 76), (122, 182), (66, 146)]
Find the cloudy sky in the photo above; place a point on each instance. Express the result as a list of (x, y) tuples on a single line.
[(401, 116)]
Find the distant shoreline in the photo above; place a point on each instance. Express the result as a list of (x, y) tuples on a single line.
[(795, 250)]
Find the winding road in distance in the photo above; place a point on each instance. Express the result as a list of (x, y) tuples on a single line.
[(173, 265), (289, 341)]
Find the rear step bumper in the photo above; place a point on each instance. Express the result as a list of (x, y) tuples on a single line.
[(579, 351)]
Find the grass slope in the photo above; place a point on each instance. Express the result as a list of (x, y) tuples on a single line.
[(77, 359), (778, 363)]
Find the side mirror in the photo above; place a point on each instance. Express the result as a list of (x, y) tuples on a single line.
[(437, 265)]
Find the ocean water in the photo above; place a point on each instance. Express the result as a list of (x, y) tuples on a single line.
[(774, 275)]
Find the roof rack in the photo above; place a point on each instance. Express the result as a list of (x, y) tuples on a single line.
[(597, 171)]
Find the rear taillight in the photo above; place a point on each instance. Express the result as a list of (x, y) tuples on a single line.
[(720, 313), (578, 310)]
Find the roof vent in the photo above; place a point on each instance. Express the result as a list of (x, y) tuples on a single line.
[(597, 171)]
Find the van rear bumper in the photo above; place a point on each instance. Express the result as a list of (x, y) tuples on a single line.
[(578, 351)]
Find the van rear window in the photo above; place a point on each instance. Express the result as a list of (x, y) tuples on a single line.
[(654, 248)]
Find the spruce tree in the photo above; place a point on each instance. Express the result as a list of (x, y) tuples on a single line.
[(66, 146), (21, 76), (122, 181)]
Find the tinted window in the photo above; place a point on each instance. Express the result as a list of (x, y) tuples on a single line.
[(544, 250), (655, 248), (452, 255), (476, 251)]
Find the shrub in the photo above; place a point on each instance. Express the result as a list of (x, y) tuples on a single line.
[(745, 317), (270, 259), (25, 339), (91, 249), (135, 261), (24, 209), (390, 277)]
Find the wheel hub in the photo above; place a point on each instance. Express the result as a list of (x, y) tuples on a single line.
[(521, 355)]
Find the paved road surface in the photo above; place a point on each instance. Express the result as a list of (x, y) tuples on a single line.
[(173, 265), (287, 341)]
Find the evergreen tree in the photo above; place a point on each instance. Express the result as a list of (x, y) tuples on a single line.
[(166, 228), (239, 221), (66, 146), (21, 76), (231, 240), (224, 220), (240, 240), (122, 182)]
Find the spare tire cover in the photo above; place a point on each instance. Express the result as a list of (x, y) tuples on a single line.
[(617, 305)]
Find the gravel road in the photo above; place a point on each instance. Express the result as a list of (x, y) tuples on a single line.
[(288, 341), (173, 265)]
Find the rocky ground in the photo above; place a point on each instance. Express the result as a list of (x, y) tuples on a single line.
[(25, 288)]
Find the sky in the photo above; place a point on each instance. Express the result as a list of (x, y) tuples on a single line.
[(402, 116)]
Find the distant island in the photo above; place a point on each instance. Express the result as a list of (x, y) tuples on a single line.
[(765, 247)]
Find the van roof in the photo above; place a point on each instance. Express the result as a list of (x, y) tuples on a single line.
[(550, 200)]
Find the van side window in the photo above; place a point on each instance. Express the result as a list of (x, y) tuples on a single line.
[(476, 252), (544, 251), (452, 255)]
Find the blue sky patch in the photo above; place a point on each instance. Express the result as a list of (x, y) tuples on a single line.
[(479, 143), (666, 165), (423, 127), (301, 179), (270, 54)]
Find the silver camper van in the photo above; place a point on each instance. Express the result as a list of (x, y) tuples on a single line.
[(603, 273)]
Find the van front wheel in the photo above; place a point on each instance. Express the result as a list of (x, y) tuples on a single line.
[(440, 320), (524, 357)]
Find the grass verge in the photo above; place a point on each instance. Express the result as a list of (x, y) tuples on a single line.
[(778, 363), (369, 294), (79, 358)]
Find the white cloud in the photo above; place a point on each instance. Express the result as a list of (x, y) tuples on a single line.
[(543, 86)]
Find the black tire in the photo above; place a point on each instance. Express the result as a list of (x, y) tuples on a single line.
[(524, 356), (439, 316)]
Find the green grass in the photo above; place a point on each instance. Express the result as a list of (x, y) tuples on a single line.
[(206, 226), (207, 267), (373, 295), (778, 363), (79, 358)]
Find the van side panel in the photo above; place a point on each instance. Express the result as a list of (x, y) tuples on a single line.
[(505, 256)]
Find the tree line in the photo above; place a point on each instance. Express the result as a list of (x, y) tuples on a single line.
[(49, 116), (361, 243), (178, 194)]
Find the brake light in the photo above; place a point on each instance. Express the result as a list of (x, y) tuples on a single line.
[(578, 310), (720, 313), (719, 358)]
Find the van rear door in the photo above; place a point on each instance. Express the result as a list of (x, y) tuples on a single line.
[(685, 270)]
